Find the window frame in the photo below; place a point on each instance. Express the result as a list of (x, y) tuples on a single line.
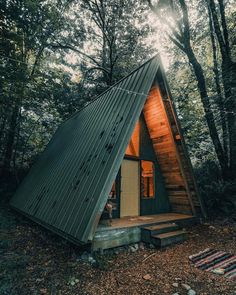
[(141, 177)]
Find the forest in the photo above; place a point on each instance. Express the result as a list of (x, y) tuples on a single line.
[(56, 56)]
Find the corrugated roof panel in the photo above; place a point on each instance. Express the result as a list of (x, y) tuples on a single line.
[(67, 188)]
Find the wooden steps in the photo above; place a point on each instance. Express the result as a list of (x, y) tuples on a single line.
[(169, 238), (163, 235)]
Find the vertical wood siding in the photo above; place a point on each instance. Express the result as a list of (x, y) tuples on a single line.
[(164, 133)]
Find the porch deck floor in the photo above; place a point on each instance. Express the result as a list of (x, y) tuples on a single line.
[(137, 221)]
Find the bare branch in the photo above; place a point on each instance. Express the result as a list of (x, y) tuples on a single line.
[(67, 46), (152, 7), (185, 20), (224, 24), (37, 58), (178, 44), (217, 27), (99, 69)]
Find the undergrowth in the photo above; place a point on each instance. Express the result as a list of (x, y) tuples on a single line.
[(219, 196)]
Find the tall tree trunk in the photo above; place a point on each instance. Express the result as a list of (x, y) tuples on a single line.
[(16, 146), (181, 37), (2, 127), (207, 108), (220, 98), (11, 137), (230, 107), (224, 25), (228, 76)]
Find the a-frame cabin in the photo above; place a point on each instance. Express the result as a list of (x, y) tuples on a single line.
[(126, 146)]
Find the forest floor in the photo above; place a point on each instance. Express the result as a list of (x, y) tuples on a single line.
[(35, 261)]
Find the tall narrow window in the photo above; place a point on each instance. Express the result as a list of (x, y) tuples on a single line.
[(133, 147), (147, 179)]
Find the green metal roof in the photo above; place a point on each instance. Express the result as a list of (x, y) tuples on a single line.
[(67, 189)]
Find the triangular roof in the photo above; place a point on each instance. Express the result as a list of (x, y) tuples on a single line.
[(66, 190)]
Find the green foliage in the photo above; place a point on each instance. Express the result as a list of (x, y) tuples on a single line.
[(190, 112), (218, 196), (42, 82)]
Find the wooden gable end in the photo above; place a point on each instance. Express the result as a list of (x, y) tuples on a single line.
[(170, 152)]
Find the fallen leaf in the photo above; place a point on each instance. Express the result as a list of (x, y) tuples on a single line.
[(147, 277)]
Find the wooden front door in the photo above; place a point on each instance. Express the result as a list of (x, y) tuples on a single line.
[(129, 198)]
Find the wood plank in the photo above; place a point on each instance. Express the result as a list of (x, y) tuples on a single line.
[(169, 154), (164, 144), (174, 187), (170, 169), (184, 201), (160, 139)]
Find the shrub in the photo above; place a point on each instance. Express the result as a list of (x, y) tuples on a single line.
[(219, 196)]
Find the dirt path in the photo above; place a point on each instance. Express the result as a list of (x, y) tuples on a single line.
[(34, 261)]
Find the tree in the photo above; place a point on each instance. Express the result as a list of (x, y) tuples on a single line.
[(38, 39), (217, 79), (115, 40), (174, 14), (27, 27), (228, 68)]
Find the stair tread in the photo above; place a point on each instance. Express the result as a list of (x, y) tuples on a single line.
[(169, 234), (160, 226)]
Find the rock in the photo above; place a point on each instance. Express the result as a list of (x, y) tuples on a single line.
[(73, 281), (176, 285), (178, 279), (191, 292), (141, 246), (134, 248), (211, 227), (175, 294), (118, 250), (87, 257), (91, 260), (186, 287), (147, 277)]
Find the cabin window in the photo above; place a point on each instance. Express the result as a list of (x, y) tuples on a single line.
[(133, 146), (147, 179)]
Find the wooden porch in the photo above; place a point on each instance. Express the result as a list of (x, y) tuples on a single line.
[(127, 230)]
